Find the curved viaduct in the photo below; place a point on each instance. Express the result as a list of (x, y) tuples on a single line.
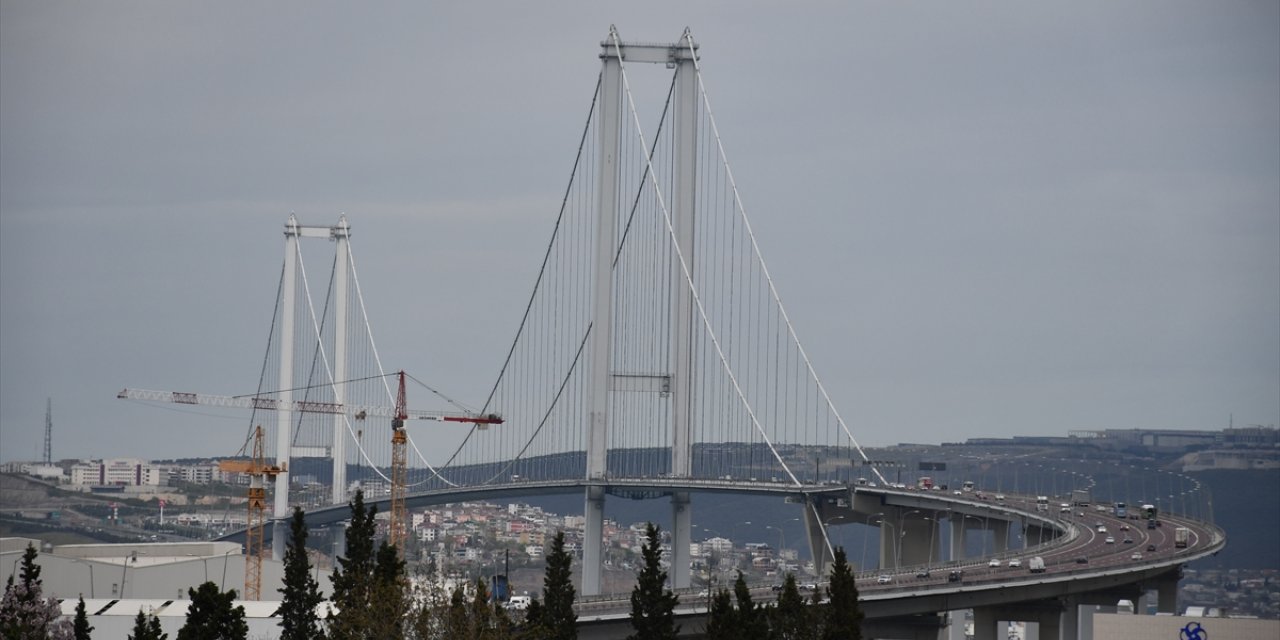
[(902, 600)]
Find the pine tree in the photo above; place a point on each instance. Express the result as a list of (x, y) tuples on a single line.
[(556, 616), (652, 604), (301, 593), (844, 616), (388, 596), (147, 627), (212, 616), (792, 618), (752, 623), (457, 622), (80, 627), (353, 575), (24, 613), (722, 619)]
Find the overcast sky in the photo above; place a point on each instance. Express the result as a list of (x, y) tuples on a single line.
[(987, 219)]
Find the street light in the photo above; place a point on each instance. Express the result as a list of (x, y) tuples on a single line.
[(90, 565), (782, 539)]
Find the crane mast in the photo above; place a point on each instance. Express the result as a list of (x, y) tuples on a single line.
[(255, 547), (399, 529)]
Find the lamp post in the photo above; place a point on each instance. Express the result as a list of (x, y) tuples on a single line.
[(133, 556), (782, 539), (221, 585), (902, 533), (90, 565)]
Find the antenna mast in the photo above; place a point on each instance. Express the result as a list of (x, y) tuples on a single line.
[(48, 431)]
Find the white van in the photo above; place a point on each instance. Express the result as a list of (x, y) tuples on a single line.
[(519, 603)]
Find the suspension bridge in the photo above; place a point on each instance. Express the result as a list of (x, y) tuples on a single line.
[(653, 358)]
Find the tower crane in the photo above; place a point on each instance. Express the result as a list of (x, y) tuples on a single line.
[(255, 549), (399, 525)]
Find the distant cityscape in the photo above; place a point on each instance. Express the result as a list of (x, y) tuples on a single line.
[(132, 499)]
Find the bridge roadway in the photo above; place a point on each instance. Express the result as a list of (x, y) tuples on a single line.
[(1080, 566)]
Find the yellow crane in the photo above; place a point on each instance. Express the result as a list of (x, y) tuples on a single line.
[(255, 549)]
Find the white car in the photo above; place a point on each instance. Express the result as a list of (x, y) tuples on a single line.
[(1015, 563), (999, 496), (1102, 529), (1111, 540), (884, 579), (995, 562), (1136, 556)]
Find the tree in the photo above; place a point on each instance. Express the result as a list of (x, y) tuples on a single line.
[(752, 620), (792, 618), (80, 628), (844, 616), (389, 603), (722, 619), (652, 604), (213, 615), (147, 627), (353, 575), (555, 616), (24, 613), (301, 593)]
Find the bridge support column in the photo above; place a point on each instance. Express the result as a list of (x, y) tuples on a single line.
[(681, 538), (819, 545), (1000, 531), (1167, 595), (601, 347), (1069, 626), (592, 541), (957, 538), (339, 451), (918, 541), (985, 624)]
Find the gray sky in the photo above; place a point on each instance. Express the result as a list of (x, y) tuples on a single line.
[(986, 219)]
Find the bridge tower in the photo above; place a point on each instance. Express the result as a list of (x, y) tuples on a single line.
[(284, 419), (680, 56)]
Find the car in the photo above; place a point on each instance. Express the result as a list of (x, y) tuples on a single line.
[(956, 576), (1110, 540), (957, 492), (1102, 528), (1015, 563), (519, 603), (923, 573), (1082, 560), (776, 588), (1136, 556), (1151, 548), (1000, 496), (884, 579), (808, 586), (1128, 540), (1124, 527), (995, 562)]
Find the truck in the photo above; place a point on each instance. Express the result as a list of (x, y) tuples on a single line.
[(1181, 536), (1080, 497), (1036, 564), (1042, 503), (925, 483)]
